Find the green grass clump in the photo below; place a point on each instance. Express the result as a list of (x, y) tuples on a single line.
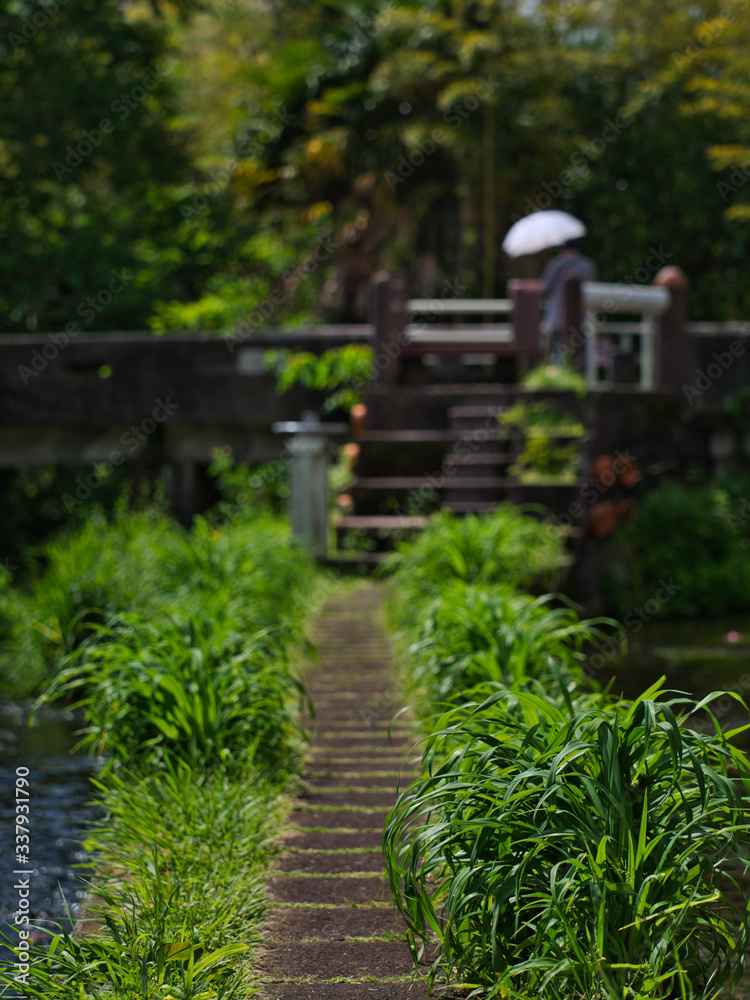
[(158, 689), (74, 580), (558, 843), (179, 893), (581, 856), (504, 546), (246, 576), (179, 646), (472, 634)]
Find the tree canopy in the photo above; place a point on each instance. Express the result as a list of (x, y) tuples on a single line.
[(222, 157)]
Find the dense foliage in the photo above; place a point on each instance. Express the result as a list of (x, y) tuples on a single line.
[(504, 547), (558, 842), (231, 164), (693, 536)]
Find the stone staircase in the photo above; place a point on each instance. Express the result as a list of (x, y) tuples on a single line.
[(437, 446)]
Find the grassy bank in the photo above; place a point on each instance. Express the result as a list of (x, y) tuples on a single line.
[(181, 649), (559, 842)]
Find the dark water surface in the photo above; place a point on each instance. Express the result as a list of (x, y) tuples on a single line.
[(59, 796), (696, 657)]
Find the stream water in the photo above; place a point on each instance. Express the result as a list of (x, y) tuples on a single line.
[(696, 657), (59, 809)]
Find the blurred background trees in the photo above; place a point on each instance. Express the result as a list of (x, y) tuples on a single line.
[(248, 137)]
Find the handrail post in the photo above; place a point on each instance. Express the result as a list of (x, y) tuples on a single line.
[(526, 295), (573, 325), (389, 321), (673, 347)]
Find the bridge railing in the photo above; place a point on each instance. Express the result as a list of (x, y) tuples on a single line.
[(408, 328), (636, 341), (646, 352)]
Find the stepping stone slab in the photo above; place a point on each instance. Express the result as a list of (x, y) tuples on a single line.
[(339, 820), (354, 784), (331, 959), (353, 991), (334, 841), (343, 772), (332, 864), (384, 800), (295, 889), (360, 742), (354, 718), (362, 758), (333, 922)]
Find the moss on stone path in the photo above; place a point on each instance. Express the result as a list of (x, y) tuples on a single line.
[(332, 932)]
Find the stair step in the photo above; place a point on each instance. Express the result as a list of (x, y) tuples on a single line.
[(354, 559), (485, 410), (498, 389), (469, 506), (480, 457), (475, 417), (416, 482), (381, 522), (450, 436), (425, 407), (409, 436)]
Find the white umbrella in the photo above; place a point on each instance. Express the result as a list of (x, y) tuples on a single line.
[(541, 230)]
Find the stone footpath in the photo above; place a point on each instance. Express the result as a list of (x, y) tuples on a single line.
[(332, 932)]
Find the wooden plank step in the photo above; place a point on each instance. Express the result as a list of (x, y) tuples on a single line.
[(469, 506), (485, 410), (449, 436), (415, 482), (480, 458), (342, 561), (408, 436), (381, 522), (460, 392)]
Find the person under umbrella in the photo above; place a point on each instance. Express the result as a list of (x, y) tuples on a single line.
[(568, 263), (543, 231)]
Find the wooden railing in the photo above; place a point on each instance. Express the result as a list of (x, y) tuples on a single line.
[(649, 352)]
